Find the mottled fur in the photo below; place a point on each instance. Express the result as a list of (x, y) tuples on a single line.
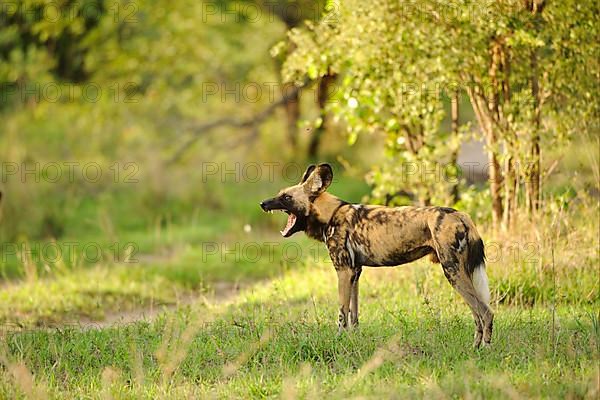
[(368, 235)]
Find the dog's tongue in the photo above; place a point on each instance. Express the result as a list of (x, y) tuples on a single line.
[(290, 223)]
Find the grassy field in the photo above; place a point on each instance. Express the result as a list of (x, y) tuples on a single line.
[(275, 336), (279, 339)]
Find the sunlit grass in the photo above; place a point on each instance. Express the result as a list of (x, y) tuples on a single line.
[(281, 337)]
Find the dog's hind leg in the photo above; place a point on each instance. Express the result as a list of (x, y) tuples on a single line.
[(457, 281), (479, 281), (354, 297), (481, 311)]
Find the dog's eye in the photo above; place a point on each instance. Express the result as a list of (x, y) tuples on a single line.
[(287, 197)]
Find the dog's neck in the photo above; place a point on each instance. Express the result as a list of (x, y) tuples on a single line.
[(321, 211)]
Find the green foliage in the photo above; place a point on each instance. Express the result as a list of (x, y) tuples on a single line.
[(130, 96), (400, 60)]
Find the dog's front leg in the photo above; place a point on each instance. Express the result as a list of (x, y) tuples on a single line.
[(354, 297), (344, 291)]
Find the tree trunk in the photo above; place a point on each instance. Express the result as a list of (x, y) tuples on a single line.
[(532, 182), (495, 183), (510, 191), (496, 178), (292, 112), (455, 125), (322, 97), (495, 173), (533, 177), (510, 172), (292, 101)]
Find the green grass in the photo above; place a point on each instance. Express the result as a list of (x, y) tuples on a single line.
[(281, 336), (68, 294)]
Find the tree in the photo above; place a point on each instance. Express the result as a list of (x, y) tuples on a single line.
[(514, 61)]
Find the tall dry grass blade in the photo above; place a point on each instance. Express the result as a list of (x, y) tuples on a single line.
[(289, 388), (389, 351), (26, 258), (502, 383), (592, 154), (108, 378), (434, 391), (22, 377), (137, 365), (107, 225), (232, 367), (181, 349), (162, 352), (553, 241)]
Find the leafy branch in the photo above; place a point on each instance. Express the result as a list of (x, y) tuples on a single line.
[(253, 122)]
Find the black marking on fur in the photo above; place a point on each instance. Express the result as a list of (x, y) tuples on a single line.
[(359, 213), (342, 318), (476, 255), (356, 215), (446, 210), (490, 328), (458, 237), (380, 217), (315, 228), (438, 221), (406, 257), (450, 272)]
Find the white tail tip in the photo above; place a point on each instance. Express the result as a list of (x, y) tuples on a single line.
[(480, 282)]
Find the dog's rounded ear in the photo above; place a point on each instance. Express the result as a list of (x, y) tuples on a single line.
[(321, 179), (326, 173), (307, 173)]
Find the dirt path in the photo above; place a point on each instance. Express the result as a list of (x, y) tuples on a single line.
[(221, 292)]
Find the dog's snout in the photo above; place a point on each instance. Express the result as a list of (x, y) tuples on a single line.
[(262, 205)]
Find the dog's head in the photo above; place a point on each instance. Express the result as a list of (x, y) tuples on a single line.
[(296, 200)]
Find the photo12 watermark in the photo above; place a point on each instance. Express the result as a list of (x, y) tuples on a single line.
[(269, 11), (271, 252), (69, 172), (290, 251), (251, 172), (68, 92), (405, 172), (69, 252), (59, 13)]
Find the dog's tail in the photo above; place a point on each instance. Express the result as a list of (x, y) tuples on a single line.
[(476, 265)]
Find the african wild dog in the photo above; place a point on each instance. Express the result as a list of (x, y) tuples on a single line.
[(368, 235)]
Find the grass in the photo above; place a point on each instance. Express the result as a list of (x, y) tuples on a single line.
[(66, 295), (280, 336)]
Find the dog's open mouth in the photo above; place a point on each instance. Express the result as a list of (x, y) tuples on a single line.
[(291, 221), (296, 222)]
